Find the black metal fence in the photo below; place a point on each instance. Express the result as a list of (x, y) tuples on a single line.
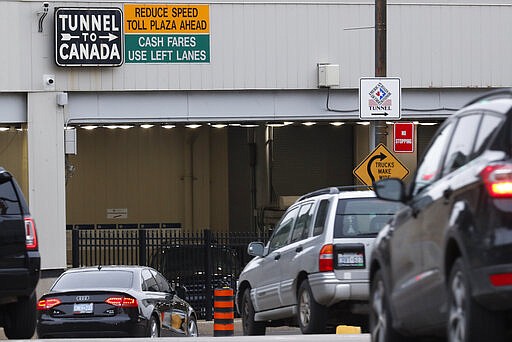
[(199, 262)]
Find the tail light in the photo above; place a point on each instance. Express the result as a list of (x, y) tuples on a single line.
[(326, 259), (498, 180), (30, 234), (122, 302), (45, 304), (501, 279)]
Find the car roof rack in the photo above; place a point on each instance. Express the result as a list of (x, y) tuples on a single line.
[(505, 92), (334, 190)]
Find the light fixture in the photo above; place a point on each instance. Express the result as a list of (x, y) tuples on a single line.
[(218, 125), (193, 126), (110, 126), (363, 123), (309, 123), (279, 124), (124, 126), (89, 127), (248, 125), (427, 123), (3, 129), (168, 126), (235, 124), (337, 123), (145, 126)]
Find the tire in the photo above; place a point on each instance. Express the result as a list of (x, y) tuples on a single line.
[(21, 319), (381, 327), (468, 321), (250, 327), (192, 327), (154, 330), (312, 316)]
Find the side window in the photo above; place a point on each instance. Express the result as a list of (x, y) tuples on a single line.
[(489, 125), (321, 217), (282, 232), (430, 168), (163, 284), (301, 229), (148, 281), (461, 146), (9, 204)]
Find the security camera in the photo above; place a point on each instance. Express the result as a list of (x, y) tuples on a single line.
[(46, 4), (49, 82)]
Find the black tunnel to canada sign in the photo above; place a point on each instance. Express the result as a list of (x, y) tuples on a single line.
[(88, 36)]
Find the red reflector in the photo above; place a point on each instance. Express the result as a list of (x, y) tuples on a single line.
[(498, 180), (326, 259), (501, 279), (123, 302), (30, 234), (45, 304)]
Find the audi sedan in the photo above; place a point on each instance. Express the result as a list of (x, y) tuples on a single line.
[(113, 301)]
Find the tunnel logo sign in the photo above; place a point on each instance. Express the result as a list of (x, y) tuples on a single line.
[(379, 98), (88, 37), (380, 164)]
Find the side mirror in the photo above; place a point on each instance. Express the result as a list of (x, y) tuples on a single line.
[(391, 189), (256, 249), (181, 291)]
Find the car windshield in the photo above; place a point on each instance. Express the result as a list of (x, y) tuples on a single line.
[(94, 280), (362, 217)]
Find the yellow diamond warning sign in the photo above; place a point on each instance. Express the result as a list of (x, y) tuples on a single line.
[(380, 164)]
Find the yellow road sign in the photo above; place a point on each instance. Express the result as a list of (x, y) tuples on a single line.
[(380, 164)]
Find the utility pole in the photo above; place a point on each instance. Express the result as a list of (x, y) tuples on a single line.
[(379, 127)]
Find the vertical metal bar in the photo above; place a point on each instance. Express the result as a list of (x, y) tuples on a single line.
[(142, 247), (75, 256), (208, 273)]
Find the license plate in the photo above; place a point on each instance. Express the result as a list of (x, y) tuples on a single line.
[(348, 259), (82, 308)]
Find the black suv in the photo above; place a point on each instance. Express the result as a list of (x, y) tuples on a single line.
[(19, 261), (443, 265)]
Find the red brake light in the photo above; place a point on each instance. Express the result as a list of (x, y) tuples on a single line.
[(123, 302), (45, 304), (30, 234), (501, 279), (326, 259), (498, 180)]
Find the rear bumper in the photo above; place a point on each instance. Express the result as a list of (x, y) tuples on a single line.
[(328, 290), (18, 282), (488, 295), (120, 326)]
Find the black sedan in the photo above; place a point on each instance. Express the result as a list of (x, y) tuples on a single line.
[(114, 301)]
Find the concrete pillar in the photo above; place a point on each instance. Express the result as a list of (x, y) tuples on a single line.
[(45, 138)]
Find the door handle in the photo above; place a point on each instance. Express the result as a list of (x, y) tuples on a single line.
[(447, 193), (277, 257), (298, 249)]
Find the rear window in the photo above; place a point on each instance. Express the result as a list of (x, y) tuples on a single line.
[(94, 280), (9, 204), (362, 217)]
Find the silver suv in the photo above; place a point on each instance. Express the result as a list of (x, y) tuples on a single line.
[(314, 270)]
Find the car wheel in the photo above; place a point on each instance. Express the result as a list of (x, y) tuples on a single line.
[(154, 331), (21, 318), (467, 320), (192, 327), (381, 327), (250, 327), (312, 316)]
